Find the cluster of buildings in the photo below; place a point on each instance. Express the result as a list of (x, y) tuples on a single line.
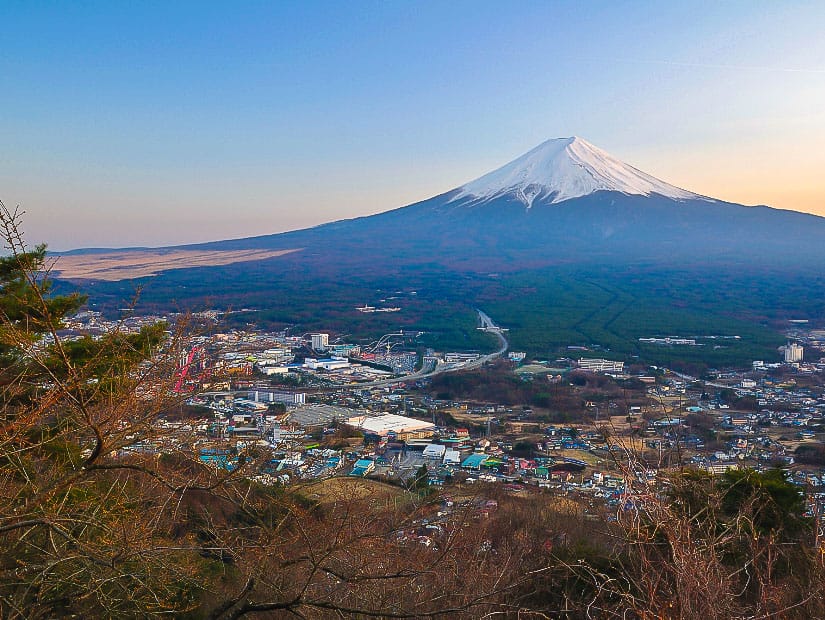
[(93, 323), (306, 358), (256, 389)]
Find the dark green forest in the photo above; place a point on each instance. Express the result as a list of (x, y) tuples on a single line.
[(606, 309)]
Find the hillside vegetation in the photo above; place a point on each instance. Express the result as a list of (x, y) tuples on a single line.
[(92, 526)]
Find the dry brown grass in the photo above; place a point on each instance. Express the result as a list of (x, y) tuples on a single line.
[(125, 265), (334, 490)]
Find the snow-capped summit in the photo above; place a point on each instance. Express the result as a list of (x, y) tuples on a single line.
[(564, 168)]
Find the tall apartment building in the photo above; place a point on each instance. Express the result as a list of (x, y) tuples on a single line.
[(320, 342), (793, 352)]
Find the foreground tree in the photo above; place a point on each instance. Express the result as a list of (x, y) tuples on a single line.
[(80, 526), (95, 521)]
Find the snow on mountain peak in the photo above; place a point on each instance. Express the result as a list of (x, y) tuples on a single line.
[(564, 168)]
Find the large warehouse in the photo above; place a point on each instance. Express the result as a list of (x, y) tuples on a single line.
[(402, 427)]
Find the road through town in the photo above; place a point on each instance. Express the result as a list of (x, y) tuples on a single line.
[(440, 367)]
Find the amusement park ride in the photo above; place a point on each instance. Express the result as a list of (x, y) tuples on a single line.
[(388, 342), (196, 358)]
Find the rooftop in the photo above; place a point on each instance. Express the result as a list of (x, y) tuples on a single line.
[(384, 423)]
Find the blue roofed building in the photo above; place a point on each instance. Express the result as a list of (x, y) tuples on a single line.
[(362, 467), (474, 461)]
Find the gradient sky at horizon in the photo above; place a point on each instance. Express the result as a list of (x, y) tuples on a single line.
[(156, 123)]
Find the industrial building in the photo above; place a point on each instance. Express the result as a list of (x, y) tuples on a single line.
[(330, 363), (403, 427), (474, 461), (288, 398), (362, 467), (344, 350), (434, 452), (457, 358), (452, 457)]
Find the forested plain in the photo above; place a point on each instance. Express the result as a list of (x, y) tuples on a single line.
[(604, 308)]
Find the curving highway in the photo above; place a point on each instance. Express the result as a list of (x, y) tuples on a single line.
[(487, 325)]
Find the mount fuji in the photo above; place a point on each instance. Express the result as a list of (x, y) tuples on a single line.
[(564, 201), (566, 204)]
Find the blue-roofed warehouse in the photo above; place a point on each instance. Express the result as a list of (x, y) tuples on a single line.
[(362, 467), (474, 461)]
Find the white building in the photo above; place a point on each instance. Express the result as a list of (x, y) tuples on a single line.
[(434, 451), (670, 340), (275, 357), (793, 352), (332, 363), (600, 365), (453, 358), (274, 370), (452, 457), (288, 398), (403, 427), (320, 342)]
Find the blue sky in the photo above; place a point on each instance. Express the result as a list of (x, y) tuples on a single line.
[(159, 123)]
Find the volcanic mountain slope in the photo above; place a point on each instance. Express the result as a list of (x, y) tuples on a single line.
[(566, 245), (564, 201)]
